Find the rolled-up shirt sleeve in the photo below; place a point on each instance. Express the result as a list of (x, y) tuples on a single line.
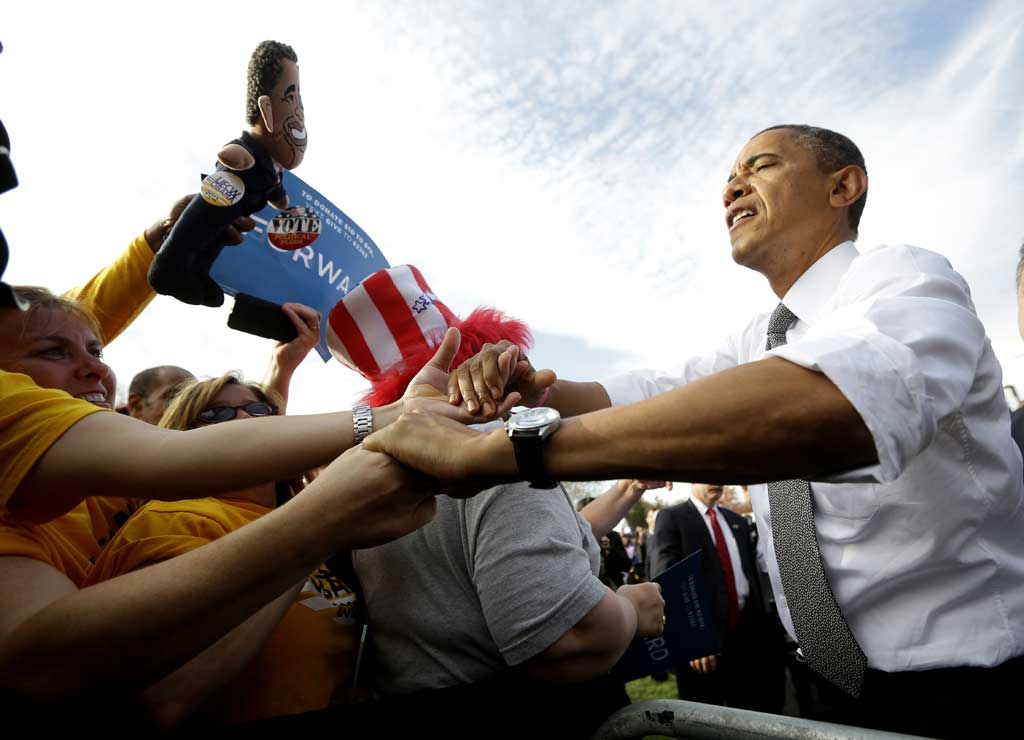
[(902, 344)]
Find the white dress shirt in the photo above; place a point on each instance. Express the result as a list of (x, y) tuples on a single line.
[(924, 550), (742, 585)]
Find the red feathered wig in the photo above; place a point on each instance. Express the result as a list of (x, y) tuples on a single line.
[(480, 327)]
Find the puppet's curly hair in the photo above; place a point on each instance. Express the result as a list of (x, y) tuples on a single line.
[(264, 71)]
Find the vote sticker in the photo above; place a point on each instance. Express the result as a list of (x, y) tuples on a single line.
[(294, 228), (222, 189)]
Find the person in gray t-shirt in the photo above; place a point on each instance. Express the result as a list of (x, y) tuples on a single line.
[(504, 580), (492, 582)]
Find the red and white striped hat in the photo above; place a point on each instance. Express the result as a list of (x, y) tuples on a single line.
[(390, 325)]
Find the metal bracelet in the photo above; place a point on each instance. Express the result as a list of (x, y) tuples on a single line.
[(362, 423)]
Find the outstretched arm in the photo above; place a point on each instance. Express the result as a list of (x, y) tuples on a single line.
[(483, 381), (55, 641), (108, 454), (767, 420)]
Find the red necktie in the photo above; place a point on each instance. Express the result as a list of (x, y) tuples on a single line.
[(730, 578)]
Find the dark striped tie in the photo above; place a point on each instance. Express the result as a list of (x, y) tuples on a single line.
[(825, 639)]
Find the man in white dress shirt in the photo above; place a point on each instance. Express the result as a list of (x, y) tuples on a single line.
[(900, 568)]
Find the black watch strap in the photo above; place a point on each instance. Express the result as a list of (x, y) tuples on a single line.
[(529, 449)]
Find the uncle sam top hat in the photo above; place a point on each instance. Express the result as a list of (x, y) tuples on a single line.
[(390, 325)]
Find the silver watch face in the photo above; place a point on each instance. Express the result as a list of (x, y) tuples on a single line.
[(533, 418)]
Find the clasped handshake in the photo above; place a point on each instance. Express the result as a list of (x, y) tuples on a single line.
[(431, 433), (432, 438)]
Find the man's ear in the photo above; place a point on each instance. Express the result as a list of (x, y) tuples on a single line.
[(134, 405), (848, 184), (267, 112)]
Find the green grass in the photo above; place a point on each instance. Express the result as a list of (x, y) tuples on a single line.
[(647, 688)]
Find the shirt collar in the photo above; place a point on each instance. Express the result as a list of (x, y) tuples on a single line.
[(813, 289), (701, 507)]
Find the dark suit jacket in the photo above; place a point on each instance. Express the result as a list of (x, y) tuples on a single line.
[(680, 531)]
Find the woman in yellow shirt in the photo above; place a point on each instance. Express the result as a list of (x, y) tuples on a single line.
[(297, 653), (58, 451)]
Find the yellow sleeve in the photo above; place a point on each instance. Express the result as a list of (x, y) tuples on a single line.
[(117, 294), (31, 420)]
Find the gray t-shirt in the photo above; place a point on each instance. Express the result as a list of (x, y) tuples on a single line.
[(491, 582)]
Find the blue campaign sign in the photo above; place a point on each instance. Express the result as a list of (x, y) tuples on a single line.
[(689, 629), (311, 253)]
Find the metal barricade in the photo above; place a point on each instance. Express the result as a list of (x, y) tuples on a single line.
[(693, 721)]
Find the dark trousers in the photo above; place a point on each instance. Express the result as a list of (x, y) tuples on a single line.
[(965, 702)]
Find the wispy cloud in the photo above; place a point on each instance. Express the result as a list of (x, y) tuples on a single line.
[(563, 162)]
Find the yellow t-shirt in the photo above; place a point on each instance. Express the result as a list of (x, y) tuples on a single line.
[(307, 661), (31, 420), (71, 542)]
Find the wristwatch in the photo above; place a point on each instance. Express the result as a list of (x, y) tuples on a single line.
[(362, 423), (528, 430)]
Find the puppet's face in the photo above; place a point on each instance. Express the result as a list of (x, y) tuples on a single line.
[(288, 141)]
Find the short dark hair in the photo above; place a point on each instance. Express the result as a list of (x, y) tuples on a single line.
[(264, 71), (833, 152), (1020, 264), (144, 382)]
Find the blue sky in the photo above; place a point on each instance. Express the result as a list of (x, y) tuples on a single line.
[(563, 162)]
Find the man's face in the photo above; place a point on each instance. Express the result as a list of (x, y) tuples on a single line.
[(776, 204), (709, 494), (288, 142), (150, 408), (57, 350)]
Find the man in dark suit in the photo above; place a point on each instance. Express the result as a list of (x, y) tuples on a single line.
[(748, 673)]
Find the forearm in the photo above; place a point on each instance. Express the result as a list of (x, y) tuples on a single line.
[(768, 420), (165, 615), (279, 380), (593, 646), (573, 398), (179, 695), (610, 507), (113, 455)]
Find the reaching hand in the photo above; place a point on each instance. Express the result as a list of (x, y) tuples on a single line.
[(635, 488), (482, 381), (707, 664), (464, 461), (428, 391), (377, 498), (158, 231), (289, 355)]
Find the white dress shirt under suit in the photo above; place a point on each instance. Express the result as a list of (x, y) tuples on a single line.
[(742, 586), (924, 550)]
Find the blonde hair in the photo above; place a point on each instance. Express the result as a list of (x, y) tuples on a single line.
[(42, 299), (195, 396)]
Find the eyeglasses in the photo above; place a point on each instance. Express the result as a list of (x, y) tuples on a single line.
[(217, 414)]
